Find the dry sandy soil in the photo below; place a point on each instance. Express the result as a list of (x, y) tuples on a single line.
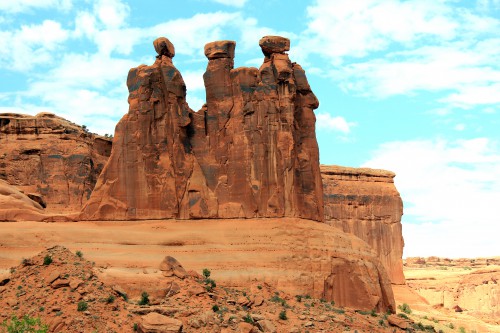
[(239, 255)]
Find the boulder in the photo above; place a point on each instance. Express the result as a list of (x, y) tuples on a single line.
[(397, 321), (220, 49), (171, 267), (156, 323), (164, 47), (274, 44)]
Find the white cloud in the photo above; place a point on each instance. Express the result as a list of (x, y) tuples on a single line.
[(19, 6), (194, 80), (451, 191), (354, 28), (234, 3), (475, 95), (374, 49), (112, 13), (324, 121), (31, 45), (472, 73)]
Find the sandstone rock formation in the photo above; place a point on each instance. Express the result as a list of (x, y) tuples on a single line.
[(365, 202), (16, 206), (461, 285), (69, 295), (51, 158), (251, 151), (290, 255)]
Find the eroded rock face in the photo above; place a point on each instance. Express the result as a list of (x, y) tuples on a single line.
[(51, 159), (251, 151), (365, 202), (16, 206)]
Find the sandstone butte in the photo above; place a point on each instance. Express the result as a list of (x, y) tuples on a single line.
[(249, 152), (365, 202)]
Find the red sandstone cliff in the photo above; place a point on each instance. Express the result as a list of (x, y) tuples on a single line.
[(365, 202), (251, 151), (51, 157)]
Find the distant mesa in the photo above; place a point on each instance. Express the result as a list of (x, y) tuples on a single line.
[(251, 151)]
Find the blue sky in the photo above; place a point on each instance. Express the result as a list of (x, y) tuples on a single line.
[(408, 86)]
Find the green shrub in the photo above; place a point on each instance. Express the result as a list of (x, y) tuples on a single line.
[(298, 298), (277, 299), (25, 324), (405, 308), (210, 284), (248, 319), (282, 315), (402, 315), (110, 299), (144, 298), (82, 306), (461, 330), (79, 254), (47, 260), (136, 327), (215, 308)]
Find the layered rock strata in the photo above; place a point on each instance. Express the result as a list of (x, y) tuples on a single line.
[(251, 151), (365, 202), (51, 159)]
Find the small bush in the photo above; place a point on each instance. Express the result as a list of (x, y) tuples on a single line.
[(248, 319), (451, 326), (373, 313), (298, 298), (402, 315), (206, 273), (259, 287), (405, 308), (79, 254), (461, 330), (277, 299), (82, 306), (25, 324), (136, 327), (210, 284), (110, 299), (215, 308), (282, 315), (47, 260), (144, 298), (124, 296), (381, 322)]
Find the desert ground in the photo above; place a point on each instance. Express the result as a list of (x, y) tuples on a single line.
[(241, 255)]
